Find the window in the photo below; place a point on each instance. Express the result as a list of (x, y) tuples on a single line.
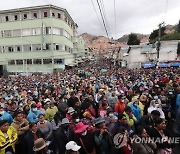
[(53, 14), (19, 62), (16, 32), (36, 47), (45, 14), (58, 61), (18, 48), (7, 18), (2, 34), (47, 46), (48, 30), (8, 33), (34, 15), (29, 61), (59, 15), (36, 31), (25, 16), (26, 32), (10, 49), (37, 61), (57, 47), (27, 47), (15, 17), (11, 62), (47, 61)]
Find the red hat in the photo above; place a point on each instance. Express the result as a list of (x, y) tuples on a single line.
[(80, 127)]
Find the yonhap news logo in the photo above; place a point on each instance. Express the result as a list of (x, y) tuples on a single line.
[(121, 139)]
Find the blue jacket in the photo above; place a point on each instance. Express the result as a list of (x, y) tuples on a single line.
[(136, 111), (7, 116), (33, 116)]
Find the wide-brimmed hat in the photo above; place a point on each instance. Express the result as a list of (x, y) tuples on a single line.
[(39, 144), (65, 121), (72, 146), (98, 121), (80, 127), (70, 110)]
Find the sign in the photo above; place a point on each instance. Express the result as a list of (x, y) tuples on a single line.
[(148, 65)]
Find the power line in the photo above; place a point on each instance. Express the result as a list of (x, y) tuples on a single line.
[(102, 18), (97, 14), (104, 14)]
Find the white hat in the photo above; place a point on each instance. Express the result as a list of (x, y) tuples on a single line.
[(70, 109), (65, 121), (72, 146), (47, 100)]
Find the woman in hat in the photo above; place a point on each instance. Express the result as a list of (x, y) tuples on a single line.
[(84, 138)]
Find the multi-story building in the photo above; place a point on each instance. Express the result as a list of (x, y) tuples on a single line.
[(38, 39)]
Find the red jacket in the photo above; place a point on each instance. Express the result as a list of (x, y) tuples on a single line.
[(119, 107)]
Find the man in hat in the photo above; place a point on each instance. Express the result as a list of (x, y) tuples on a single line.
[(102, 137), (84, 138), (62, 136), (8, 137)]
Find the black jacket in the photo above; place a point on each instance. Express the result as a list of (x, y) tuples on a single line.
[(29, 141), (61, 139)]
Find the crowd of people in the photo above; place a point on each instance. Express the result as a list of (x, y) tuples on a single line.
[(90, 109)]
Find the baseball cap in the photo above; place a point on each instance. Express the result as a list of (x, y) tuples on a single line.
[(72, 146)]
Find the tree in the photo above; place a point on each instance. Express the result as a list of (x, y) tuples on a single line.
[(133, 40), (178, 27), (154, 35)]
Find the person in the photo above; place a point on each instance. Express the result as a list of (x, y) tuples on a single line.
[(72, 100), (103, 140), (33, 114), (22, 126), (122, 142), (51, 111), (148, 147), (156, 105), (159, 131), (135, 109), (148, 121), (122, 122), (120, 105), (8, 138), (72, 148), (5, 115), (13, 108), (62, 136), (131, 119), (84, 138), (45, 127), (32, 135), (40, 146)]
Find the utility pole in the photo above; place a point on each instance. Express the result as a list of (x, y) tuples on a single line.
[(159, 41)]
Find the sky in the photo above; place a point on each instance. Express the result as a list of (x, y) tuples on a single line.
[(129, 16)]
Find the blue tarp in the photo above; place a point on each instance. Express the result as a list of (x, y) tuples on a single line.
[(163, 65), (175, 64), (148, 65)]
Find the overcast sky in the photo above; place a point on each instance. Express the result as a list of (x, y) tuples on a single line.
[(140, 16)]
